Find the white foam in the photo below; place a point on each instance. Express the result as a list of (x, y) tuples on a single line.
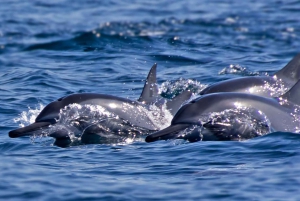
[(175, 87), (28, 117)]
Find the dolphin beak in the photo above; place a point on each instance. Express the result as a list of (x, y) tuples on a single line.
[(27, 130), (167, 133)]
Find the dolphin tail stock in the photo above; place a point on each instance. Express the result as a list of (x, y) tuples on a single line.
[(174, 104), (28, 130), (150, 91), (290, 72)]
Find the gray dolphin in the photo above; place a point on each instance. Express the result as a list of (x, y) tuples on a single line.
[(282, 114), (261, 85), (133, 112)]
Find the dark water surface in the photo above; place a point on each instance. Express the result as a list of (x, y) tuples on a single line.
[(49, 49)]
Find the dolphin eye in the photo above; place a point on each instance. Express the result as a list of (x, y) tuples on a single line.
[(193, 101)]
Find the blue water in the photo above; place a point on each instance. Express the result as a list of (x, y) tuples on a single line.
[(49, 49)]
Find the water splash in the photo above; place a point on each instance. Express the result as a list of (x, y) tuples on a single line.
[(239, 123), (232, 124), (160, 115), (276, 88), (236, 69), (76, 118), (93, 124), (28, 117), (170, 89)]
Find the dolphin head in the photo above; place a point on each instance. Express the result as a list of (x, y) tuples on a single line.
[(51, 112), (47, 117)]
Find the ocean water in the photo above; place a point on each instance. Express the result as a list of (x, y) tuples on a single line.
[(49, 49)]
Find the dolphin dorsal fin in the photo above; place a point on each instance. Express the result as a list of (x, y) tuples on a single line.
[(291, 72), (150, 90), (293, 95), (174, 104)]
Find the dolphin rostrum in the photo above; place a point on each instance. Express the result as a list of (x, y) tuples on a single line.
[(134, 113), (279, 114), (261, 85)]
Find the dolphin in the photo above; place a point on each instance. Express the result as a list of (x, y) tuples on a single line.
[(261, 85), (133, 113), (282, 114)]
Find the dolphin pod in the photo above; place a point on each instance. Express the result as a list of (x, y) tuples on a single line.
[(282, 112), (252, 94), (134, 113)]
